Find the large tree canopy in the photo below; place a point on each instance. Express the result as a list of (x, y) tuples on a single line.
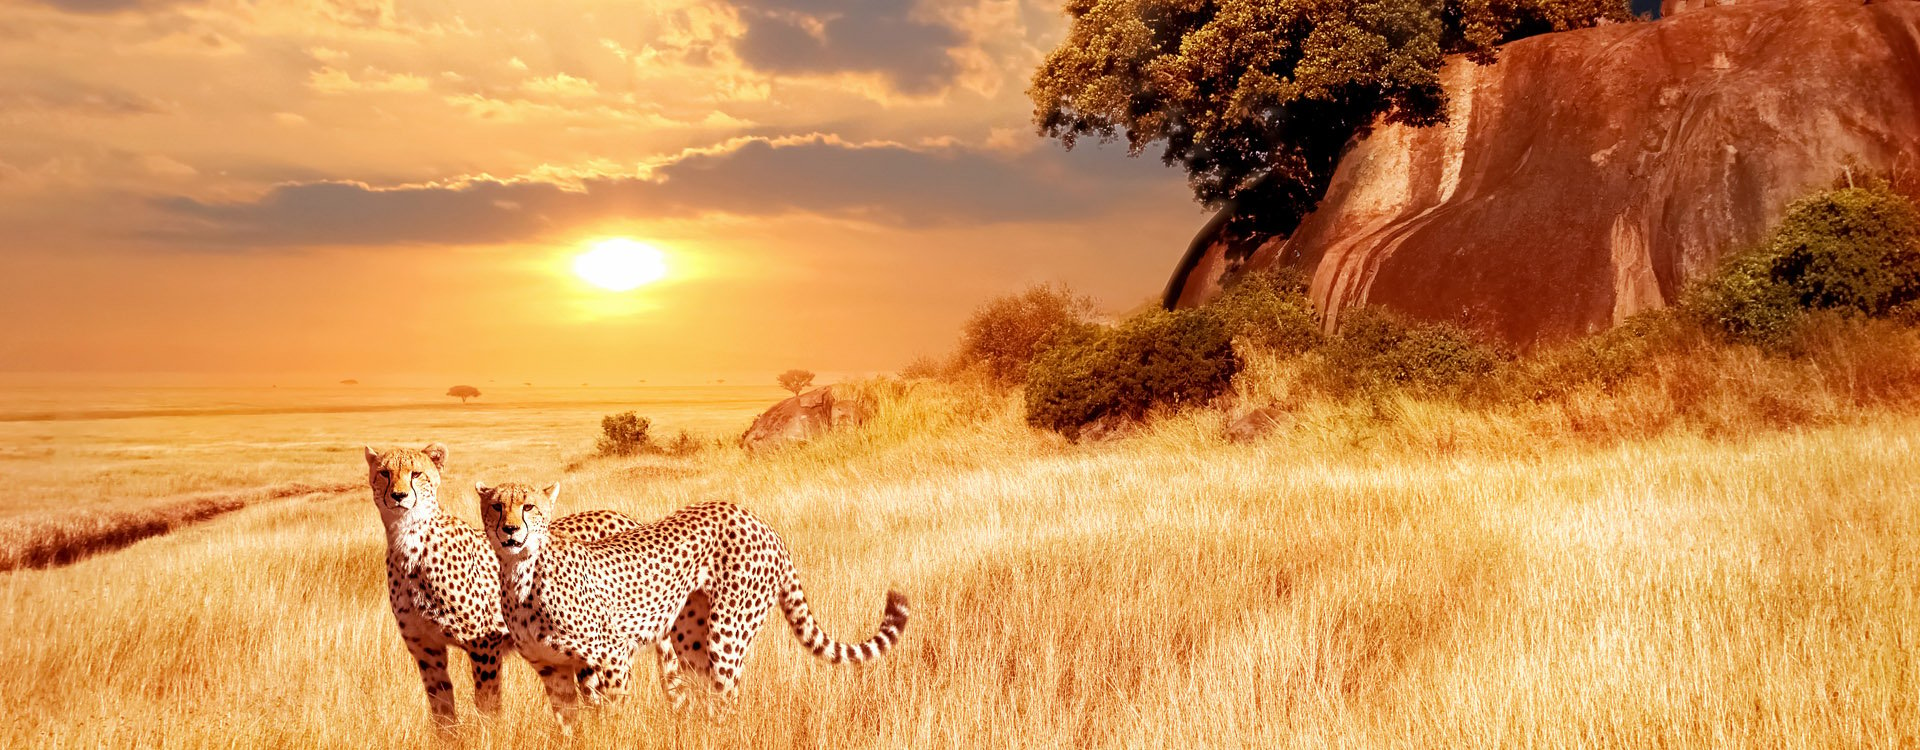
[(1257, 99)]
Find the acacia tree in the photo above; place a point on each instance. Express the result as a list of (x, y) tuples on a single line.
[(796, 380), (1256, 99), (463, 392)]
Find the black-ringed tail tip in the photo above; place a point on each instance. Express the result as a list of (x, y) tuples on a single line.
[(893, 620)]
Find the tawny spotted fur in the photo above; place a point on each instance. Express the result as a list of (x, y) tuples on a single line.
[(576, 605), (443, 580)]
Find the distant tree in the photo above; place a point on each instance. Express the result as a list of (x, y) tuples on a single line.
[(1256, 99), (1004, 334), (349, 381), (796, 380), (463, 392)]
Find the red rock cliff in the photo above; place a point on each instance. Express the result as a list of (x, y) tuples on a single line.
[(1588, 175)]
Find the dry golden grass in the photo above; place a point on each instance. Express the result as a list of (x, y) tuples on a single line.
[(1430, 577)]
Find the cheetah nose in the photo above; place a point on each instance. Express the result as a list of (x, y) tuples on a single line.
[(510, 530), (399, 495)]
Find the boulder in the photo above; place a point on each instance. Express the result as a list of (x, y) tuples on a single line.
[(1589, 175), (1259, 423), (804, 417)]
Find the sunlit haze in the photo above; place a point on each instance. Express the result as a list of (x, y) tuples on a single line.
[(317, 190)]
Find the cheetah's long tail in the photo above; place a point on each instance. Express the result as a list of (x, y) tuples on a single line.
[(794, 603)]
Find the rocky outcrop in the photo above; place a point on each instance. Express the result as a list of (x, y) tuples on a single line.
[(804, 417), (1589, 175)]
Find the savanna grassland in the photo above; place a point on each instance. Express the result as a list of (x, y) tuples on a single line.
[(1721, 551)]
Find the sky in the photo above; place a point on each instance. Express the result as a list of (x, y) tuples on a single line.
[(395, 189)]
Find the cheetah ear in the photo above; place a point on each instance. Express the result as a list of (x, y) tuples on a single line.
[(437, 452), (373, 459), (482, 489), (553, 492)]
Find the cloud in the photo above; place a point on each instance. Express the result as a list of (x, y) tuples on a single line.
[(331, 80), (161, 165), (881, 183), (885, 37), (584, 108), (562, 85), (50, 96), (96, 7)]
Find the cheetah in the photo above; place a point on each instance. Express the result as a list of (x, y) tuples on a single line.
[(578, 605), (443, 581)]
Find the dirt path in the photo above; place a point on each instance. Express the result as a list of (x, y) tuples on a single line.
[(57, 539)]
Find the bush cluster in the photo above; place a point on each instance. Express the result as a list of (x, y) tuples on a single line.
[(1377, 348), (625, 434), (1851, 252), (1603, 360), (1156, 359), (1166, 359), (628, 434), (1855, 251)]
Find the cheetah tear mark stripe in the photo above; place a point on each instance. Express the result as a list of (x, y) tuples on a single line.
[(794, 604)]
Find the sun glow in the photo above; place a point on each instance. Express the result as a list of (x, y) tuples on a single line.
[(620, 264)]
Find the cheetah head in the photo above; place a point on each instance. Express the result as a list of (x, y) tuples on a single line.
[(405, 478), (515, 513)]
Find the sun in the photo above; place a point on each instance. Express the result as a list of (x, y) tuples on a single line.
[(621, 264)]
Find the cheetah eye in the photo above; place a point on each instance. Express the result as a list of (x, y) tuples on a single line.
[(498, 507), (528, 508), (385, 473)]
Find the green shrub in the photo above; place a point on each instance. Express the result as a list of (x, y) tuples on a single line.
[(1003, 335), (1744, 302), (1377, 348), (1604, 359), (1853, 250), (1270, 309), (1157, 359), (624, 435), (682, 444)]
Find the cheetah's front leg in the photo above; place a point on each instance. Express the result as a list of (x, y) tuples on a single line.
[(432, 661), (488, 657), (563, 692), (608, 681)]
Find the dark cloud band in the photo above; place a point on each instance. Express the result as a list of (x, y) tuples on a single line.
[(849, 36), (887, 184)]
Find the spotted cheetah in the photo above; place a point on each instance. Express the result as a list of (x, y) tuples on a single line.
[(574, 604), (443, 581)]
